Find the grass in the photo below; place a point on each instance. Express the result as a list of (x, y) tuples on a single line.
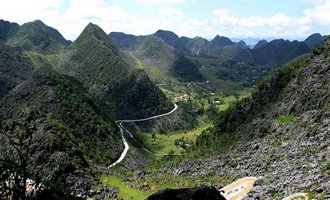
[(327, 107), (162, 144), (286, 119), (125, 191)]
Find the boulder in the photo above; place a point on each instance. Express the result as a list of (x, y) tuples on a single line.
[(198, 193)]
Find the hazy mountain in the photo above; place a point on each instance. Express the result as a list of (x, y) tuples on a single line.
[(315, 40), (260, 44), (278, 52), (169, 37), (126, 42), (242, 44), (157, 53), (221, 41)]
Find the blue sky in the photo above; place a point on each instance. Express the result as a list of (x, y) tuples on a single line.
[(290, 19)]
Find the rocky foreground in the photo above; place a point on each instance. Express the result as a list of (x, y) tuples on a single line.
[(282, 134)]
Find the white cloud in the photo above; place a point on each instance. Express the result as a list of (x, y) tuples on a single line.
[(169, 11), (162, 1), (24, 11), (114, 18), (319, 14)]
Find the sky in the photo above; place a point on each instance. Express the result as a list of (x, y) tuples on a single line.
[(243, 19)]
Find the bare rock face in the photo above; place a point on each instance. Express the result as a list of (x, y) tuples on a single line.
[(198, 193)]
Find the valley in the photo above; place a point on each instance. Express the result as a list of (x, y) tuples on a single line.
[(121, 116)]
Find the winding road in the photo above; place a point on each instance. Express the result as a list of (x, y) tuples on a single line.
[(122, 129)]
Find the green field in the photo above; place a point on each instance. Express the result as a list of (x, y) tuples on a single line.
[(162, 144), (125, 191)]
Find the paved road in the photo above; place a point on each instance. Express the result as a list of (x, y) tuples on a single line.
[(122, 129)]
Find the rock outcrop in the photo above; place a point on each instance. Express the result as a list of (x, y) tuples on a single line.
[(198, 193)]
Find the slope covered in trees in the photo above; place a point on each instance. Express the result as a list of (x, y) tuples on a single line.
[(54, 131), (14, 69), (94, 60)]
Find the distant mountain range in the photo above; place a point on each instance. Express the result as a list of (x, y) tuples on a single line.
[(161, 61), (218, 59)]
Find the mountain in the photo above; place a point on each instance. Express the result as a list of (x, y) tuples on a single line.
[(126, 42), (36, 36), (197, 46), (221, 41), (14, 69), (68, 133), (169, 37), (156, 52), (94, 60), (315, 40), (200, 47), (241, 44), (7, 29), (160, 60), (53, 33), (278, 52), (260, 44), (277, 132)]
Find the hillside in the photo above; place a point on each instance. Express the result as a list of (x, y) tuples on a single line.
[(36, 36), (161, 61), (314, 40), (94, 60), (14, 69), (157, 53), (69, 133), (280, 134), (278, 52), (221, 41), (126, 42), (7, 29)]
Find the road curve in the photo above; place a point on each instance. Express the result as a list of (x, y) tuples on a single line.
[(149, 118), (122, 129)]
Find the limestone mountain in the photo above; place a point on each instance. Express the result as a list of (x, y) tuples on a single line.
[(221, 41), (14, 69), (126, 42), (94, 60), (280, 130), (278, 52), (314, 40), (260, 44), (68, 132), (161, 61), (156, 52), (36, 36), (241, 44), (169, 37), (7, 29), (200, 47)]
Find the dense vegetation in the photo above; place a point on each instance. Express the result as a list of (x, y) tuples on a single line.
[(94, 60), (162, 62), (63, 99), (36, 36), (159, 54), (59, 127), (230, 124), (14, 69)]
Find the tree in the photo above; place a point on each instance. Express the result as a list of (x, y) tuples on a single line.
[(17, 136)]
